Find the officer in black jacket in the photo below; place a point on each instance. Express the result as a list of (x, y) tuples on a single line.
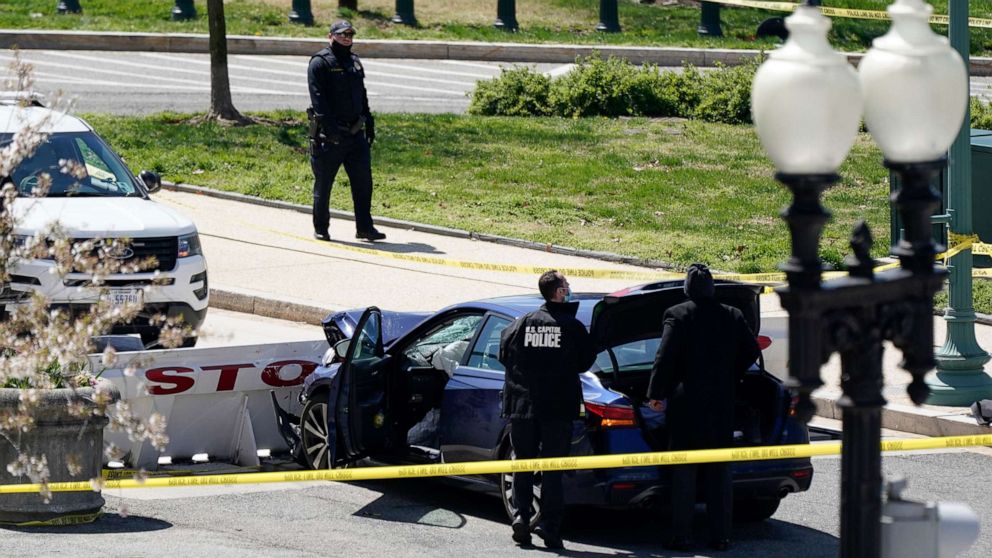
[(706, 347), (341, 131), (544, 352)]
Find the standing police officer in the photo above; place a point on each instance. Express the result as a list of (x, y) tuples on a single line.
[(706, 347), (339, 114), (543, 352)]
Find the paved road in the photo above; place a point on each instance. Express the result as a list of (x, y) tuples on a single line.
[(424, 517), (146, 82), (224, 328)]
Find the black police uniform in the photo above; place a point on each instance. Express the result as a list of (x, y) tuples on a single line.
[(706, 348), (346, 130), (543, 352)]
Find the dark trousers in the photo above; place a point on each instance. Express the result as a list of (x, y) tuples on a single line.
[(353, 152), (533, 438), (719, 499)]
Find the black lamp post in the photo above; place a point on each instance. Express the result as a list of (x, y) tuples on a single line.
[(506, 15), (609, 19), (301, 13), (69, 7), (807, 102), (184, 9), (404, 13)]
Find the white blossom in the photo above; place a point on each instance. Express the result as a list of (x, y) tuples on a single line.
[(41, 347)]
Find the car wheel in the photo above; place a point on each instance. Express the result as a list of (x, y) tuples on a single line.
[(313, 434), (755, 509), (506, 489)]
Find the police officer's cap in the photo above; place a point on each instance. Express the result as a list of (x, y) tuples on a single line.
[(340, 26)]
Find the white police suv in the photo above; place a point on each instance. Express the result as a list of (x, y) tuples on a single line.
[(106, 201)]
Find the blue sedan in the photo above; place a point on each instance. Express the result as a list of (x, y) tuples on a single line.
[(425, 388)]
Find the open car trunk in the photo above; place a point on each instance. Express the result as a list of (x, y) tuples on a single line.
[(628, 325)]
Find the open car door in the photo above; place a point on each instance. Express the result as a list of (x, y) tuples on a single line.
[(362, 410)]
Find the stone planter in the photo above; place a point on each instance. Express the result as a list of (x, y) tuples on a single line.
[(57, 435)]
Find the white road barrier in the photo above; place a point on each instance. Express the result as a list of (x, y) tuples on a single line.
[(215, 400)]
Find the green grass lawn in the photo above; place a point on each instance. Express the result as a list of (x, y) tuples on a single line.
[(672, 190), (559, 21)]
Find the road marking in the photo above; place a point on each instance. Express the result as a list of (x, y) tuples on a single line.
[(133, 76), (302, 66), (412, 88), (301, 74), (471, 64), (201, 73), (377, 63), (560, 70), (84, 81)]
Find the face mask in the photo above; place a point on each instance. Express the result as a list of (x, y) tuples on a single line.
[(568, 295)]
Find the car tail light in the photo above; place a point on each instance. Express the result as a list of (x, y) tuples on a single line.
[(612, 416), (764, 342), (801, 473), (792, 405)]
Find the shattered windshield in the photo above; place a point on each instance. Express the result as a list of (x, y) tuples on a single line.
[(76, 164)]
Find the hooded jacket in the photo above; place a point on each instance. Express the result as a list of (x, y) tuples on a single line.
[(706, 347), (544, 352)]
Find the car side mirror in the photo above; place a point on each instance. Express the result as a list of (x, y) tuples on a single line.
[(153, 182), (341, 348)]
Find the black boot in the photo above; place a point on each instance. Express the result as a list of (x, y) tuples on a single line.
[(521, 531)]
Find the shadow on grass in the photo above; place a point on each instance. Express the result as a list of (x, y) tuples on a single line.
[(108, 523), (376, 16)]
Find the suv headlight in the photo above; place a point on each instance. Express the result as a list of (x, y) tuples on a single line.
[(189, 245)]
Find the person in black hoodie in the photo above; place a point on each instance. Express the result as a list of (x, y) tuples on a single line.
[(544, 352), (342, 131), (706, 347)]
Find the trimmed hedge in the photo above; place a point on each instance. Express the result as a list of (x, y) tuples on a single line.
[(615, 87)]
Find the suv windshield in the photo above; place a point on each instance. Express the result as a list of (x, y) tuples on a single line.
[(79, 164)]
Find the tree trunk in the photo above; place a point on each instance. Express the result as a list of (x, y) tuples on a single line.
[(349, 4), (221, 105)]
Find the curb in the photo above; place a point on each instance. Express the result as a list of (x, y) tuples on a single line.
[(371, 48), (245, 303), (904, 418), (381, 48), (420, 227)]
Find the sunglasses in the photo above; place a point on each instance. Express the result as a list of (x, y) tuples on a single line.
[(348, 34)]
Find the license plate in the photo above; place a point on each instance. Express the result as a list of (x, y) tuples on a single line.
[(121, 297)]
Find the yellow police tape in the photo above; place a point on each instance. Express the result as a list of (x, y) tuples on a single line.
[(494, 467), (844, 12), (963, 242)]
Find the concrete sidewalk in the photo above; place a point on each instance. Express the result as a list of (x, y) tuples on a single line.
[(263, 260), (403, 49)]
